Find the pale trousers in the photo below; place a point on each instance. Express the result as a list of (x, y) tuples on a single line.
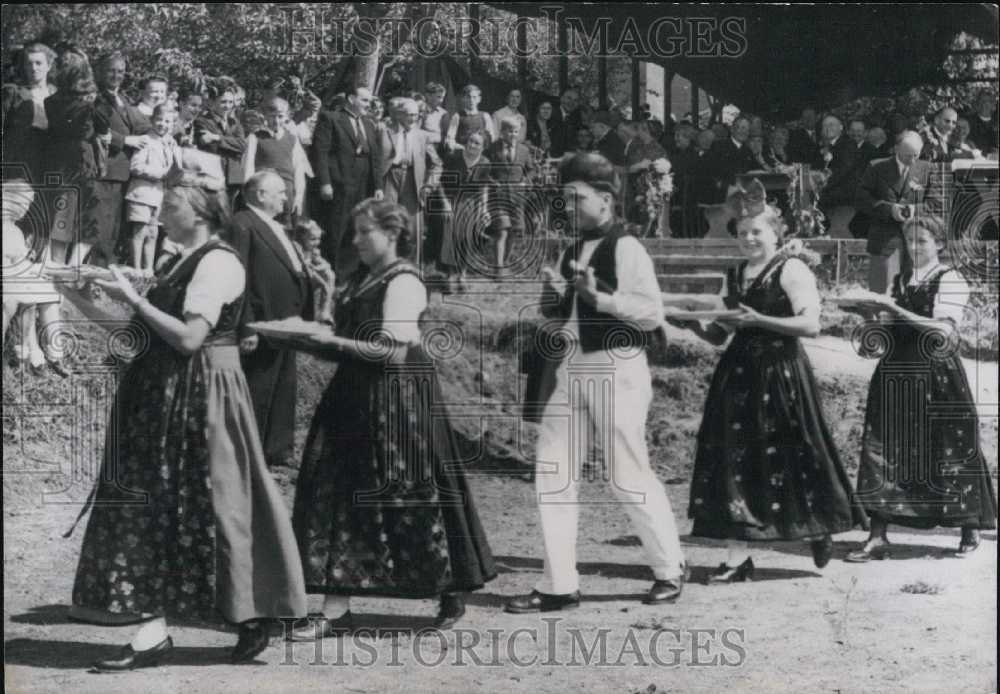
[(608, 395)]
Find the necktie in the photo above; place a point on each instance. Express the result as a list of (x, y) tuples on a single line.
[(359, 130), (510, 154)]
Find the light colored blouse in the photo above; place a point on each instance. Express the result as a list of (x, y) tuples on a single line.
[(218, 280), (405, 299)]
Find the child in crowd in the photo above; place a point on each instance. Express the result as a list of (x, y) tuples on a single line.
[(308, 237), (512, 168), (469, 119), (154, 93), (148, 167)]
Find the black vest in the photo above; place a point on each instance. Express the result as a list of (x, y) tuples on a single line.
[(600, 331)]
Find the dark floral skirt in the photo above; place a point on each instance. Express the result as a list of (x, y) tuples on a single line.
[(766, 467), (186, 521), (921, 463), (382, 506)]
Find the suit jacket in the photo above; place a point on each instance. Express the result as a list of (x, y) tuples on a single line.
[(612, 148), (502, 171), (123, 121), (803, 149), (726, 163), (230, 147), (425, 160), (339, 154), (563, 131), (881, 185), (841, 186), (274, 289)]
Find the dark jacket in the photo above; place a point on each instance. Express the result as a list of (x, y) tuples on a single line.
[(274, 289), (230, 147), (341, 159)]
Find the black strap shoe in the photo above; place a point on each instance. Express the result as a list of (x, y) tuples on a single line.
[(542, 602), (822, 550), (129, 659), (451, 610), (253, 640)]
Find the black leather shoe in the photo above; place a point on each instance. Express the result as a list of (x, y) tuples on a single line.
[(970, 541), (869, 552), (451, 610), (542, 602), (253, 640), (729, 574), (322, 628), (822, 550), (664, 592), (129, 659)]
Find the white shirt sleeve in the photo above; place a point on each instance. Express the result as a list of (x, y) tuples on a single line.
[(218, 280), (637, 299), (952, 297), (249, 157), (799, 284), (405, 299)]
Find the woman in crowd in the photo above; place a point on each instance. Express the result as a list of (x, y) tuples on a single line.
[(190, 103), (77, 149), (186, 519), (25, 126), (541, 127), (766, 467), (919, 470), (465, 186), (382, 507)]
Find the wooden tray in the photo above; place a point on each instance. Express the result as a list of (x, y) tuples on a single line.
[(681, 314)]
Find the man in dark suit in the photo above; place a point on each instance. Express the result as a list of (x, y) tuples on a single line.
[(839, 158), (565, 121), (891, 191), (346, 150), (607, 143), (512, 167), (220, 132), (127, 129), (939, 139), (277, 288), (864, 153), (409, 168), (803, 142), (729, 158)]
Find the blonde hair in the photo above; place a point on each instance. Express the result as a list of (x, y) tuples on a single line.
[(771, 216)]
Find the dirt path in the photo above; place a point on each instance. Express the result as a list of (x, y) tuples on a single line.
[(922, 622)]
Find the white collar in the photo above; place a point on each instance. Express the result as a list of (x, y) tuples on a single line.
[(735, 142)]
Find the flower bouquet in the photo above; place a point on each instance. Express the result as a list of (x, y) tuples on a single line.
[(659, 187)]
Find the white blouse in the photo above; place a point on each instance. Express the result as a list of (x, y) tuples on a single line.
[(952, 296), (405, 299), (218, 280)]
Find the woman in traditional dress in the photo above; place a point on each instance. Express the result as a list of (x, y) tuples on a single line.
[(382, 507), (921, 463), (766, 468), (187, 522)]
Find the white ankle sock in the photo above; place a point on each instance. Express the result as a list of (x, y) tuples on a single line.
[(150, 634), (738, 552), (335, 606)]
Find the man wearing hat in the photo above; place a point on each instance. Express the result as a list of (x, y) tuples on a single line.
[(604, 304)]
